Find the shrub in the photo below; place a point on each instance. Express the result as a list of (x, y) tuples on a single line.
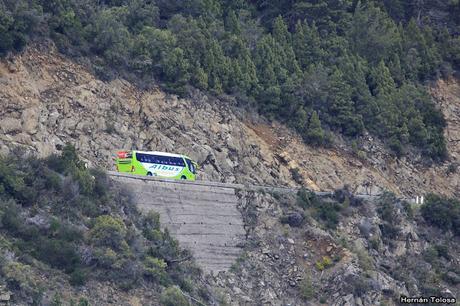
[(307, 291), (389, 230), (52, 180), (172, 296), (408, 209), (365, 261), (386, 207), (151, 226), (360, 285), (431, 255), (443, 251), (78, 277), (57, 253), (56, 301), (155, 268), (101, 182), (10, 216), (296, 176), (105, 257), (374, 243), (442, 212), (83, 302), (85, 181), (453, 167), (108, 231), (324, 263), (305, 198), (328, 212)]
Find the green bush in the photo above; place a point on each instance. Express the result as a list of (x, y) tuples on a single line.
[(151, 226), (307, 291), (57, 253), (78, 277), (442, 212), (364, 259), (106, 258), (324, 263), (172, 296), (386, 207), (155, 268), (306, 198), (328, 212), (108, 231)]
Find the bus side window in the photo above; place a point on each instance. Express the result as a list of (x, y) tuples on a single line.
[(140, 157), (180, 162), (162, 160)]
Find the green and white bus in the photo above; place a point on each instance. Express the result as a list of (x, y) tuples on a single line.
[(159, 164)]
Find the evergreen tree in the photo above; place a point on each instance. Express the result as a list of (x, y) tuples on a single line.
[(373, 34), (382, 84), (307, 44), (232, 23), (314, 133), (281, 33), (341, 111)]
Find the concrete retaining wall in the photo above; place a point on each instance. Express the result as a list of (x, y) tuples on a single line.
[(202, 216)]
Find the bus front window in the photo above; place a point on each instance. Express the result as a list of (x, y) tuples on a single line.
[(191, 166)]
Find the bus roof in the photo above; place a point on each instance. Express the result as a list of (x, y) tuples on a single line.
[(160, 153)]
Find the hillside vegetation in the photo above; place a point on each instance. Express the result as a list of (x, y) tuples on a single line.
[(322, 66), (63, 224)]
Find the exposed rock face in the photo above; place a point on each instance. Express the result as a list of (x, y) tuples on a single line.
[(354, 264), (48, 100)]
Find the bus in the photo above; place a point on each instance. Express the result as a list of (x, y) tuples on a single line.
[(159, 164)]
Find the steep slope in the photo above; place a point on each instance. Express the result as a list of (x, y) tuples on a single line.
[(364, 253), (47, 100)]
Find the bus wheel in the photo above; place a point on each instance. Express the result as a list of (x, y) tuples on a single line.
[(149, 173), (183, 177)]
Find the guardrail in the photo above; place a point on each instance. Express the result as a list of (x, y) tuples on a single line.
[(251, 187)]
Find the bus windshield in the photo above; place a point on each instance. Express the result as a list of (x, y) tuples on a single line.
[(191, 166)]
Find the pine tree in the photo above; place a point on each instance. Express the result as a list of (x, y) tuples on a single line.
[(232, 23), (314, 133), (281, 33), (381, 81), (341, 111), (200, 78), (307, 44)]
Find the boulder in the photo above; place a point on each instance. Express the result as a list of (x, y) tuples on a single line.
[(10, 125), (30, 120), (294, 219)]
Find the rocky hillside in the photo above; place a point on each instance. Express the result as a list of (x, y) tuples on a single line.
[(48, 100), (339, 250)]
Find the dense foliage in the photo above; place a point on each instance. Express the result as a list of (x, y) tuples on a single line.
[(57, 215), (346, 66), (442, 212)]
